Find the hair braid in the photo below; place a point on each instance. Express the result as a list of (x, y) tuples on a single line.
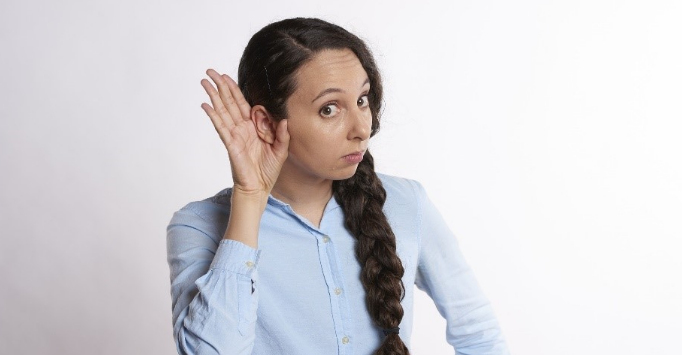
[(362, 197)]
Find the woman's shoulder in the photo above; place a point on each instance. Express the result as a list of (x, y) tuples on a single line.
[(209, 215), (210, 206), (401, 190)]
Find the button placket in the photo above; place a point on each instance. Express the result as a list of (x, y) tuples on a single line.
[(334, 280)]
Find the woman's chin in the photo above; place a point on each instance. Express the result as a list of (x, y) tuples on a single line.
[(347, 173)]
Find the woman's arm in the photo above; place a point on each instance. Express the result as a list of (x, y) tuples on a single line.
[(213, 286), (213, 279), (472, 327)]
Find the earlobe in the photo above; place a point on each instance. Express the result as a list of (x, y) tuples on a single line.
[(264, 123)]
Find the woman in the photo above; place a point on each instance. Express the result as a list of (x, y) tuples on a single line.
[(310, 251)]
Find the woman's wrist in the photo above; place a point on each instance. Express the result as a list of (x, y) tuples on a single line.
[(249, 199), (245, 217)]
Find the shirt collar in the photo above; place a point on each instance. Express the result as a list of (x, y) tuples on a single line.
[(331, 205)]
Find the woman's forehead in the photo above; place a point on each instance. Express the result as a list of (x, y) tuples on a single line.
[(330, 69)]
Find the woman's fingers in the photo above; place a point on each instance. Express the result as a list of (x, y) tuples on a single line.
[(245, 109), (219, 124), (218, 108), (227, 98)]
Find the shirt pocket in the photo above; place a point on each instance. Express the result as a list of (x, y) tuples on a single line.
[(247, 303)]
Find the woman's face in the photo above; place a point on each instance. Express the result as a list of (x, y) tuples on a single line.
[(328, 116)]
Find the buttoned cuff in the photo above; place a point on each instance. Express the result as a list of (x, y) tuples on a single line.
[(235, 256)]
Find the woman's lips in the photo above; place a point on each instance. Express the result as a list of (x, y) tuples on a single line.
[(354, 157)]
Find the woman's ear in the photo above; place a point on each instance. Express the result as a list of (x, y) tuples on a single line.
[(263, 122)]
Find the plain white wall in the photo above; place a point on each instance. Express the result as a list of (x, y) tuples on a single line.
[(547, 132)]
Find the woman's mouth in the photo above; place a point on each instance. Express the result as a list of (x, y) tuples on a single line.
[(354, 158)]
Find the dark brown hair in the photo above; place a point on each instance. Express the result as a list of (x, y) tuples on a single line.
[(266, 77)]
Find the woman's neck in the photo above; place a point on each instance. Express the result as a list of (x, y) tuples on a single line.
[(307, 195)]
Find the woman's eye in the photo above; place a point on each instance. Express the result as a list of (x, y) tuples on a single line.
[(329, 110), (363, 101)]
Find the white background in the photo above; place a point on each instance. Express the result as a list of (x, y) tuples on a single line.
[(547, 132)]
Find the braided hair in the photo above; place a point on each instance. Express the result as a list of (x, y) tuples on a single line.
[(266, 77)]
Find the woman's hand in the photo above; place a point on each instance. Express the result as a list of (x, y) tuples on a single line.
[(255, 164)]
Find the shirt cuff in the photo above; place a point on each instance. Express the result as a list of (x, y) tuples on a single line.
[(235, 256)]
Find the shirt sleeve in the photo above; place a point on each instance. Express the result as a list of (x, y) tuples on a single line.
[(213, 288), (472, 328)]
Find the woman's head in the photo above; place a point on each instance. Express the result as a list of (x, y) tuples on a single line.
[(324, 80)]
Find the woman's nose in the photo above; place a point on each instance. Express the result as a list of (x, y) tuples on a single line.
[(360, 122)]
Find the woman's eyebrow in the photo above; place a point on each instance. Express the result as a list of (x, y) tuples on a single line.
[(329, 90)]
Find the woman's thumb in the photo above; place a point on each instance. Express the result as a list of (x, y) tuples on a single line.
[(282, 140)]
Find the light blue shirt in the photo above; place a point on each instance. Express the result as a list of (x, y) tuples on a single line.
[(300, 291)]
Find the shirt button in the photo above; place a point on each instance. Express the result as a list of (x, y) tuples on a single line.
[(326, 239), (249, 264), (345, 340), (338, 291)]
